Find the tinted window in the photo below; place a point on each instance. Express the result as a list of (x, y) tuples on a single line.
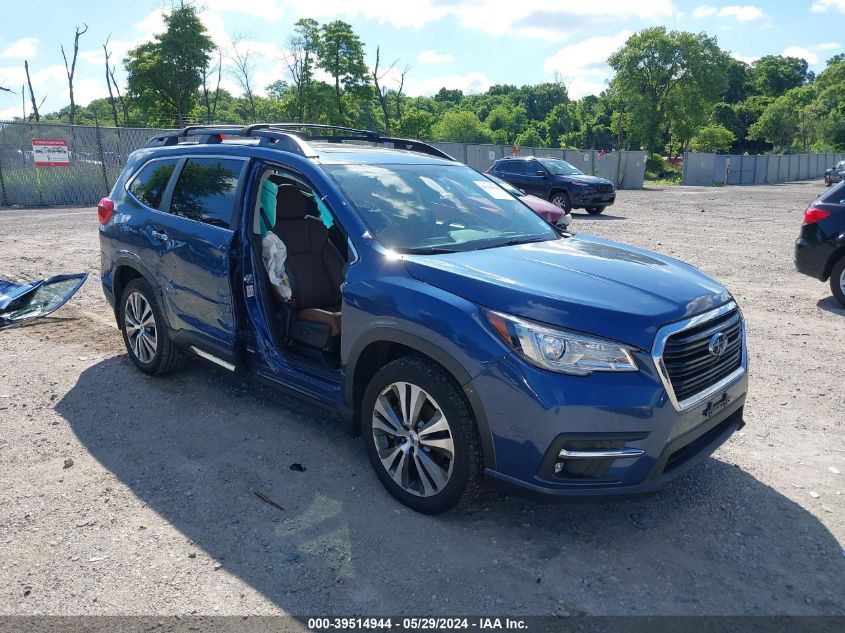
[(515, 166), (149, 185), (532, 167), (206, 191)]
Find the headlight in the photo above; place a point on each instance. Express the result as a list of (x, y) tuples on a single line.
[(560, 350)]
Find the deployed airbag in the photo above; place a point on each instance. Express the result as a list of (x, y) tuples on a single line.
[(274, 254)]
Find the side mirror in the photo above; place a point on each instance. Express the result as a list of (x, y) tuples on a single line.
[(540, 172)]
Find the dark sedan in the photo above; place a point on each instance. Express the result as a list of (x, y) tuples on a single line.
[(820, 249)]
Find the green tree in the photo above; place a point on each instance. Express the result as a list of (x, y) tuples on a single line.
[(654, 64), (302, 59), (712, 138), (774, 75), (530, 138), (342, 56), (461, 126), (415, 123), (164, 75)]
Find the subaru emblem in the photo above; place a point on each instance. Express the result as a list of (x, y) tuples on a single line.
[(718, 344)]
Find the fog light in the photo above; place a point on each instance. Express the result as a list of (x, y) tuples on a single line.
[(558, 467)]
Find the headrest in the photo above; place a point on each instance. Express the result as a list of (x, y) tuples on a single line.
[(291, 203)]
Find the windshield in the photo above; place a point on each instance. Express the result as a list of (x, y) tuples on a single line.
[(504, 184), (560, 167), (437, 208)]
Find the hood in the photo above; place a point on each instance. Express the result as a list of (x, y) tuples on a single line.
[(588, 180), (581, 283)]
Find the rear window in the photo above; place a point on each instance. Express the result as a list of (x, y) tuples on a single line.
[(206, 191), (149, 185)]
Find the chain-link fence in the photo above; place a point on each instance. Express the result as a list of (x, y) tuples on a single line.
[(736, 169), (94, 158), (84, 162)]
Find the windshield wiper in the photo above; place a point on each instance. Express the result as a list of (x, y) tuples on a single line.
[(426, 250), (514, 242)]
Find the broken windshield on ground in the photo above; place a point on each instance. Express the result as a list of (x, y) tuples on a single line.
[(21, 302)]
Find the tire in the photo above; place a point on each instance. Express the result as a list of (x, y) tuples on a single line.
[(561, 200), (595, 210), (412, 459), (144, 331), (837, 281), (827, 182)]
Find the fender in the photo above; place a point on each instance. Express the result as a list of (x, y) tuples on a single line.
[(131, 260), (437, 354)]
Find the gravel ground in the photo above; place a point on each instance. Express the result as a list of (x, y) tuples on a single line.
[(158, 514)]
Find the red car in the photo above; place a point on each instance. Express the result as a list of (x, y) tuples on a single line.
[(546, 210)]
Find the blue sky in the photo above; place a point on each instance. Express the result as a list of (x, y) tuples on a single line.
[(466, 44)]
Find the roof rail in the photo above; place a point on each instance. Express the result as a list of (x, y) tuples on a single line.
[(292, 137)]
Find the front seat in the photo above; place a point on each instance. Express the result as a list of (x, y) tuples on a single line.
[(314, 264)]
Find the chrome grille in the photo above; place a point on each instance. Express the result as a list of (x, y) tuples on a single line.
[(689, 369)]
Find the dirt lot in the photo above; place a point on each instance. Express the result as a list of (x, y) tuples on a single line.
[(157, 514)]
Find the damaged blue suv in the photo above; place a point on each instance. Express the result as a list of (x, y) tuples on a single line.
[(456, 331)]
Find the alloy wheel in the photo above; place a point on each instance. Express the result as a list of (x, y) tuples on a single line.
[(561, 201), (139, 323), (842, 281), (413, 439)]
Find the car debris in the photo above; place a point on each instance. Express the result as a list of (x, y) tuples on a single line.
[(35, 299), (268, 500)]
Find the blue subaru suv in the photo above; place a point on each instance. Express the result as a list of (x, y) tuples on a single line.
[(460, 334)]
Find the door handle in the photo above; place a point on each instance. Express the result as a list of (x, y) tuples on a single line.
[(161, 236)]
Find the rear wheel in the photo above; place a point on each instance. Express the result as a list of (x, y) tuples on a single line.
[(595, 210), (561, 200), (144, 331), (420, 436), (837, 281)]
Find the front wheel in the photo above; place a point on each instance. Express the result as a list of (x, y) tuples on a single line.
[(837, 281), (561, 200), (420, 436), (827, 182), (595, 210)]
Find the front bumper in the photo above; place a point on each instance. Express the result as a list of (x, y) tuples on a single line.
[(591, 199), (534, 414)]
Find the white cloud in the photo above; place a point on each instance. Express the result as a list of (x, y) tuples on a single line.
[(821, 6), (809, 53), (24, 48), (748, 59), (270, 10), (704, 11), (803, 53), (555, 22), (743, 13), (433, 57), (469, 83), (583, 66)]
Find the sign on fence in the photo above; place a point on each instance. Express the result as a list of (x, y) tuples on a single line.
[(49, 153)]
